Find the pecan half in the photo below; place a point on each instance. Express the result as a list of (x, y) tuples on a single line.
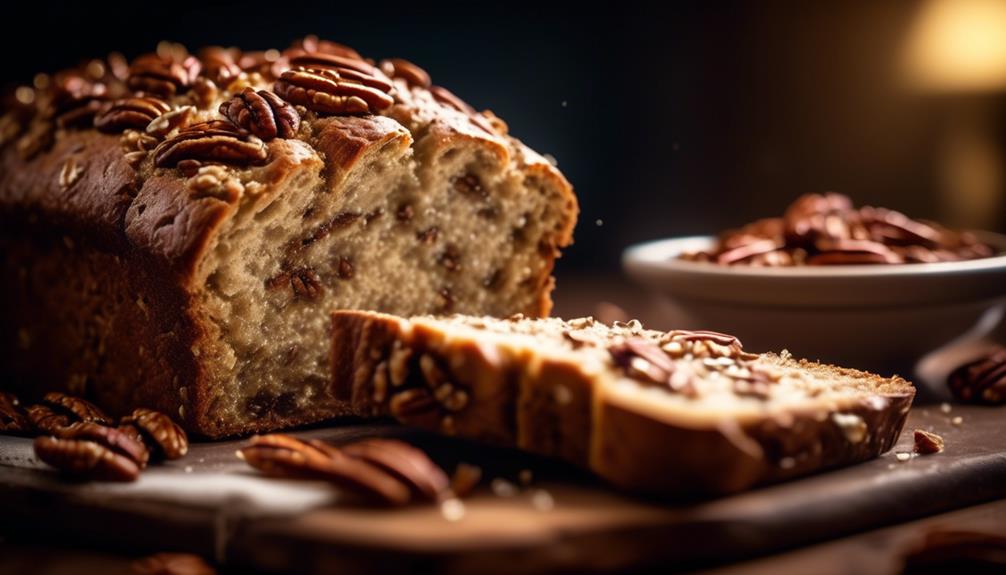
[(411, 73), (926, 442), (79, 409), (47, 420), (220, 64), (312, 43), (215, 141), (262, 113), (116, 440), (163, 74), (322, 60), (85, 459), (74, 99), (330, 91), (284, 456), (13, 419), (135, 113), (982, 380), (404, 462), (161, 434)]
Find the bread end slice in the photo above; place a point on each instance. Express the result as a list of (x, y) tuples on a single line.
[(671, 414)]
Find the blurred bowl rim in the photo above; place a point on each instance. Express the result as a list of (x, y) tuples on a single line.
[(662, 253), (655, 265)]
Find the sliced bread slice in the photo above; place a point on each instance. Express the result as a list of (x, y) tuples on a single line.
[(666, 413)]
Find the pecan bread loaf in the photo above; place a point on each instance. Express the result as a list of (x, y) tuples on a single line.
[(669, 414), (173, 227)]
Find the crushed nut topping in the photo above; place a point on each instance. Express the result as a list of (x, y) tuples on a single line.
[(262, 113), (334, 91), (216, 141), (135, 113)]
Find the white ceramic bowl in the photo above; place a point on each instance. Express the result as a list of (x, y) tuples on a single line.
[(881, 318)]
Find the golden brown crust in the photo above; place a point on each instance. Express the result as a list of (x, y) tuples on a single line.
[(560, 405)]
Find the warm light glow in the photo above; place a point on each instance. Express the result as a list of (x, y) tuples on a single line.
[(958, 45)]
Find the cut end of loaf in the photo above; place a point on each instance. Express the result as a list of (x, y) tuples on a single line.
[(211, 208), (440, 224), (667, 413)]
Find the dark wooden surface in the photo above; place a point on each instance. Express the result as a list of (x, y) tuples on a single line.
[(210, 503)]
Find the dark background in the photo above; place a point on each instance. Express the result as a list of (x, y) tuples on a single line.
[(671, 120)]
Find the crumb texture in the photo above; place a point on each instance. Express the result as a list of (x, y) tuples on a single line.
[(181, 225)]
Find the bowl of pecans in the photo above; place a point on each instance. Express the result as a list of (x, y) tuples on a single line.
[(865, 286)]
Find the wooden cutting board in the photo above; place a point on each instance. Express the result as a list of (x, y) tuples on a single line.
[(213, 504)]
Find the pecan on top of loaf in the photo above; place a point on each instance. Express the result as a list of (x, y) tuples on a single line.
[(233, 198)]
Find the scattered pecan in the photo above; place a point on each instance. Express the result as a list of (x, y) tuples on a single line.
[(171, 564), (262, 113), (135, 113), (85, 459), (982, 380), (329, 91), (77, 408), (163, 74), (429, 235), (927, 442), (47, 420), (403, 462), (339, 221), (411, 73), (13, 419), (215, 141), (220, 64), (161, 434), (116, 440), (284, 456)]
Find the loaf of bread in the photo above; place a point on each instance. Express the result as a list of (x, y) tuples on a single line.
[(176, 229), (670, 414)]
